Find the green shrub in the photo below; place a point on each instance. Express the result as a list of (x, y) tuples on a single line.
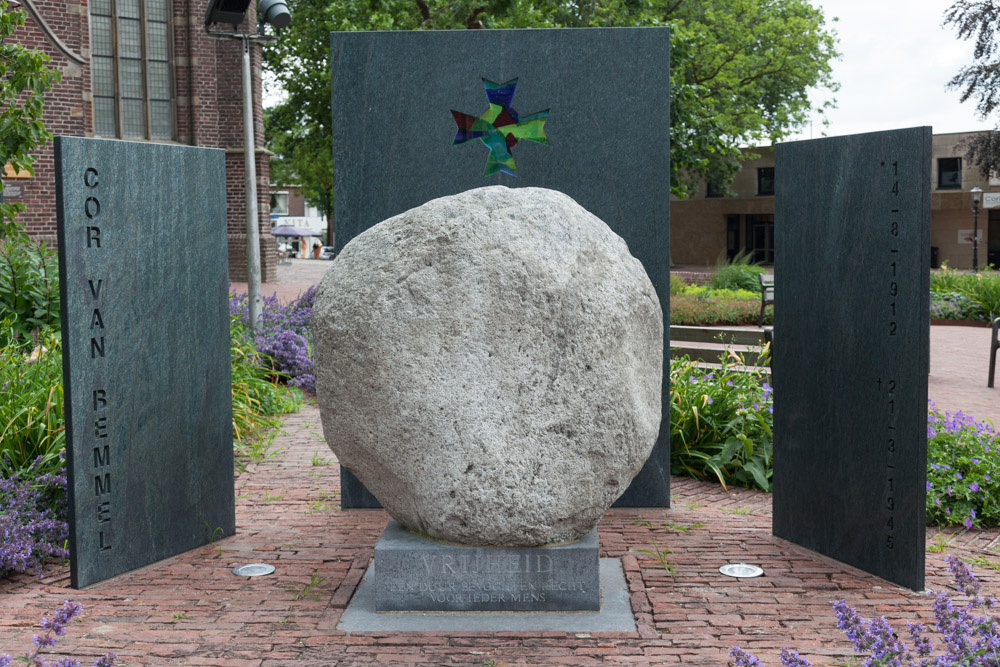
[(984, 290), (704, 310), (29, 288), (740, 273), (32, 422), (677, 285), (720, 423), (963, 471)]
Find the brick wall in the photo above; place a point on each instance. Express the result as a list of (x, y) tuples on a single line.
[(209, 112)]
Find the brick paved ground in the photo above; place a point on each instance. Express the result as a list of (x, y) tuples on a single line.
[(190, 610)]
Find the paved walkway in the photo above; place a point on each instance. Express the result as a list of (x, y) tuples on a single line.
[(190, 609)]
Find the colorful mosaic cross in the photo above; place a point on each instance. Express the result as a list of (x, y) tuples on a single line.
[(500, 127)]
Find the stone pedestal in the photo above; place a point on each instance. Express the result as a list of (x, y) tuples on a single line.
[(416, 574)]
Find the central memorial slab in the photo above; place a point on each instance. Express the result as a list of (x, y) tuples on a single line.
[(581, 111), (146, 361)]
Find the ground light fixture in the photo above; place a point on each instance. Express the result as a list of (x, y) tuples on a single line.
[(741, 570), (977, 197), (253, 570), (233, 12)]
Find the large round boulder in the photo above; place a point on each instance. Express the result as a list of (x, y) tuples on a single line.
[(489, 365)]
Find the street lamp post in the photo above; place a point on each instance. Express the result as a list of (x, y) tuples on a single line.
[(977, 196), (233, 12)]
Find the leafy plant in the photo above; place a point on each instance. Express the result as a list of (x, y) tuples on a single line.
[(310, 588), (257, 402), (969, 637), (963, 470), (720, 422), (738, 274), (29, 288), (24, 79), (32, 422), (661, 557)]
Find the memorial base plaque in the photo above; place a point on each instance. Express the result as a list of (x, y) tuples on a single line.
[(417, 574)]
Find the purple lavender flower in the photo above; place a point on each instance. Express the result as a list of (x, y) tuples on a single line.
[(31, 522), (967, 523), (743, 658), (973, 487), (790, 658)]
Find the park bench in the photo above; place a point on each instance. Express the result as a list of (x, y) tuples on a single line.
[(766, 295), (994, 346), (705, 345)]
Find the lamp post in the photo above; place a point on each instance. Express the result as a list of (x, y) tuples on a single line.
[(233, 12), (977, 197)]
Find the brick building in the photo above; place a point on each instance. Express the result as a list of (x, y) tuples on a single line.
[(145, 70), (709, 225)]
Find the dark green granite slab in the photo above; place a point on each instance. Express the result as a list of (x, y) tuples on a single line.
[(607, 95), (146, 371), (852, 247)]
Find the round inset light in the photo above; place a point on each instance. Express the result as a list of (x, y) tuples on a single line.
[(253, 570), (741, 570)]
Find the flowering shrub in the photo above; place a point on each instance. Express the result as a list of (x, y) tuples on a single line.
[(969, 638), (32, 520), (57, 626), (979, 292), (720, 423), (954, 306), (283, 334), (963, 472)]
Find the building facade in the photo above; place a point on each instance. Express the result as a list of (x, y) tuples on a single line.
[(145, 70), (709, 225)]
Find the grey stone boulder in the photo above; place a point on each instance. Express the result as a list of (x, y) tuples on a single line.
[(489, 366)]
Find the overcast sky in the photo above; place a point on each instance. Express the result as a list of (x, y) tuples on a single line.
[(896, 61)]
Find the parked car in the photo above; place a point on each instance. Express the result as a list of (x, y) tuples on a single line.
[(326, 252)]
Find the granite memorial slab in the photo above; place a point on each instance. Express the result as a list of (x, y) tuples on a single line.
[(582, 111), (412, 573), (852, 247), (146, 361)]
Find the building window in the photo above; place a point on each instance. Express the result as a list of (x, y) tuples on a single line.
[(949, 173), (765, 180), (712, 191), (130, 45), (279, 203)]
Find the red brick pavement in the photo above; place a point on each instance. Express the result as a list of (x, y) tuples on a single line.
[(190, 610)]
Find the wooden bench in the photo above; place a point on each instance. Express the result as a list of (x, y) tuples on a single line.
[(994, 346), (707, 344), (766, 295)]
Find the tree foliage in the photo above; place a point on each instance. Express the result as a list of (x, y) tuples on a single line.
[(24, 79), (979, 81), (741, 70)]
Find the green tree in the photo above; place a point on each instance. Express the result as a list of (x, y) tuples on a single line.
[(29, 286), (979, 19), (741, 69), (24, 79)]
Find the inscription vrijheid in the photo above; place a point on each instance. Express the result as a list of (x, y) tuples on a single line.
[(102, 449)]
